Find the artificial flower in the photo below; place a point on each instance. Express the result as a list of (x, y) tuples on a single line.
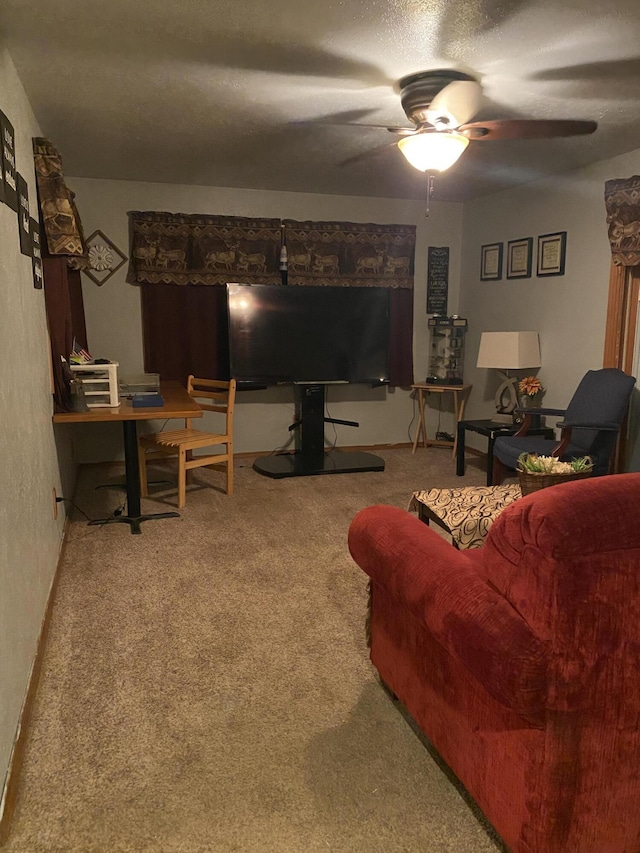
[(530, 386)]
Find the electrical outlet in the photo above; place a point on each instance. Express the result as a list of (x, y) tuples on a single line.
[(55, 503)]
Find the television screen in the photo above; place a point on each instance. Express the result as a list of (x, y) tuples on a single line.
[(291, 333)]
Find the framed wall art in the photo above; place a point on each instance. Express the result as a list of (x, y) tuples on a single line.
[(552, 249), (8, 160), (491, 262), (36, 253), (519, 258), (24, 226)]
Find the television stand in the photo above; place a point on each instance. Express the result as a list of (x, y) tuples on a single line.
[(311, 459)]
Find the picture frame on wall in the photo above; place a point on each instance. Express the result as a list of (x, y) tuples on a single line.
[(519, 253), (8, 160), (24, 227), (491, 262), (552, 250), (36, 253)]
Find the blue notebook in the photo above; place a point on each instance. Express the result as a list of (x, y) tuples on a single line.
[(139, 401)]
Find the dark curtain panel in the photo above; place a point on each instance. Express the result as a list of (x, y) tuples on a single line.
[(185, 331), (401, 338), (65, 319), (76, 303)]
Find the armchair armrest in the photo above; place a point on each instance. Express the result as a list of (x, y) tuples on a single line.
[(441, 587), (539, 411), (608, 426)]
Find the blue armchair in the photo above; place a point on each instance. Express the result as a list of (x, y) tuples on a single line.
[(589, 426)]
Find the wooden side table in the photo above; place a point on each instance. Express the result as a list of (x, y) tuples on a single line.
[(460, 394)]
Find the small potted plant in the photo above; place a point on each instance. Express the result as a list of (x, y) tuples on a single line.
[(537, 472)]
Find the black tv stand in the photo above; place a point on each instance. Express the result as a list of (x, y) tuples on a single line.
[(311, 459)]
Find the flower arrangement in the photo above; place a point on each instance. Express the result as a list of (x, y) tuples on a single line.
[(530, 386), (534, 464)]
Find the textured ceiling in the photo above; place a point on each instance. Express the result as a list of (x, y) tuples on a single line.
[(243, 93)]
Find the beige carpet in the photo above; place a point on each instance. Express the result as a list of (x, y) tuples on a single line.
[(206, 685)]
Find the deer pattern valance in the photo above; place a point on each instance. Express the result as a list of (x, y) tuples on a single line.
[(622, 201), (201, 249), (177, 248), (60, 218), (350, 254)]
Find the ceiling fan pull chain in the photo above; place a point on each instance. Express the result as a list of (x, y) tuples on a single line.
[(429, 193)]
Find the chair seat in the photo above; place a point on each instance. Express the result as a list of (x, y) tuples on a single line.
[(187, 438), (509, 449)]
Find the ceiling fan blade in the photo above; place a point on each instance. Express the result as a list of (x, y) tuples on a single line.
[(365, 155), (455, 104), (403, 131), (526, 128)]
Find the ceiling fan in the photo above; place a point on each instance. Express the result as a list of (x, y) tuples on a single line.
[(440, 104)]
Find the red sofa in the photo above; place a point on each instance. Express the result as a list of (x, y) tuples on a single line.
[(520, 660)]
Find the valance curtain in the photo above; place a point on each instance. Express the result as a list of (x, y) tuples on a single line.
[(183, 249), (622, 201), (178, 248), (59, 217)]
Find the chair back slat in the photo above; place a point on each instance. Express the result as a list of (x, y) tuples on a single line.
[(221, 392)]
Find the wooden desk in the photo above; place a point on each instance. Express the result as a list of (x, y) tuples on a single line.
[(177, 404), (460, 394)]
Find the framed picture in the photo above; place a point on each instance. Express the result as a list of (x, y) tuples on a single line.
[(519, 258), (24, 227), (491, 262), (36, 253), (552, 249), (8, 161)]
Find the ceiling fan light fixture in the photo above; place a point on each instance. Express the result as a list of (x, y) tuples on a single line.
[(433, 152)]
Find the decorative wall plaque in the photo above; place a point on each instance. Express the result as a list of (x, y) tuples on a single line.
[(23, 215), (8, 162), (437, 279), (36, 253), (105, 258)]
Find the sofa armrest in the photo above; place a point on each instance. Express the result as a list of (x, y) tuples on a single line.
[(441, 587)]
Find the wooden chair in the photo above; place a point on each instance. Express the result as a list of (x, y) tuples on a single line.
[(212, 395)]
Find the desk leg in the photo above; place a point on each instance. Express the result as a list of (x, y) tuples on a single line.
[(132, 477), (422, 426), (460, 441)]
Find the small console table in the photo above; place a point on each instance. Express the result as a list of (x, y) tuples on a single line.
[(491, 429), (460, 395)]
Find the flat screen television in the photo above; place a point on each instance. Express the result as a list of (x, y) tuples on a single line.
[(291, 333)]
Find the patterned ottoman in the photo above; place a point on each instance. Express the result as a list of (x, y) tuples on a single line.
[(466, 513)]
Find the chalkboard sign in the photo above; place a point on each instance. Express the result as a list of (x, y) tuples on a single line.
[(437, 279)]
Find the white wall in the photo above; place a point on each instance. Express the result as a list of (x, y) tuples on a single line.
[(568, 311), (29, 537), (261, 421)]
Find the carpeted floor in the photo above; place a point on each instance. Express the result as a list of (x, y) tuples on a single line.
[(206, 685)]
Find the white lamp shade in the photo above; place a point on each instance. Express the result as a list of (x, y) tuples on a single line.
[(433, 151), (509, 350)]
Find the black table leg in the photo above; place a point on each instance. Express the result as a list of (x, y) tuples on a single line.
[(132, 477), (460, 450), (492, 439)]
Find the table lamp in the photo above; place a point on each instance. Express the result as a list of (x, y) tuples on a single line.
[(507, 351)]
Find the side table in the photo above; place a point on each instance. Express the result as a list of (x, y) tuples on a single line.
[(460, 394), (491, 429)]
